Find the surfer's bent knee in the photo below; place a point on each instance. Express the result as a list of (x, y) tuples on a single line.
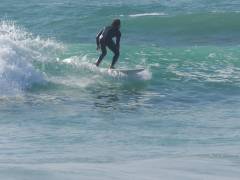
[(104, 53)]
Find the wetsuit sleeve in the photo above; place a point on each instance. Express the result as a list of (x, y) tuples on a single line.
[(118, 37), (97, 37)]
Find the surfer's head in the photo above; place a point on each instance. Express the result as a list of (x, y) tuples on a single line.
[(116, 23)]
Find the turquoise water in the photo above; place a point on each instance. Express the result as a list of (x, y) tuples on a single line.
[(62, 118)]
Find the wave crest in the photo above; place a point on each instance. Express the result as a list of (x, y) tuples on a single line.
[(19, 50)]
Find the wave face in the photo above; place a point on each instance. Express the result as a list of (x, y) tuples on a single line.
[(63, 118)]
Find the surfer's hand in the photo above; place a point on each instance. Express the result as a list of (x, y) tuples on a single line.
[(98, 47)]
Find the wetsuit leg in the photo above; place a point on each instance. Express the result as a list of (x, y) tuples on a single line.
[(102, 55), (112, 46)]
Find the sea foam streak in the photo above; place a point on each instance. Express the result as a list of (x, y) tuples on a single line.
[(147, 14), (18, 50)]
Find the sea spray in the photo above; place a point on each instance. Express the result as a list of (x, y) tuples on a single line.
[(18, 51)]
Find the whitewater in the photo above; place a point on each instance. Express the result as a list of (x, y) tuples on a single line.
[(63, 118)]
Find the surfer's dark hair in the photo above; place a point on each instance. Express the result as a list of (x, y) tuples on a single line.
[(116, 23)]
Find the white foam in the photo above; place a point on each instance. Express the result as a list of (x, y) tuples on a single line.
[(73, 82), (84, 63), (18, 50), (147, 14)]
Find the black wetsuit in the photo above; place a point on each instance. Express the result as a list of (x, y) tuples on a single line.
[(105, 39)]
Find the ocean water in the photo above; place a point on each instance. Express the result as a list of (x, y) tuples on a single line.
[(62, 118)]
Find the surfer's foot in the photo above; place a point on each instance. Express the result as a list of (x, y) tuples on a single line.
[(111, 67), (97, 64)]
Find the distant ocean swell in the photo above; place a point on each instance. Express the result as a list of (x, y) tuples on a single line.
[(184, 29)]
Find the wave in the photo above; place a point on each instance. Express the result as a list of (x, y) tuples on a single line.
[(19, 50), (26, 60)]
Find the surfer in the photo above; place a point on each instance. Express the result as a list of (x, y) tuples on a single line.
[(105, 39)]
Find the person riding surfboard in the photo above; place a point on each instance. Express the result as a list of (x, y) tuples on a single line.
[(105, 39)]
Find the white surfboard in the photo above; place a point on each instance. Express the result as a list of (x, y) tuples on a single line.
[(128, 71)]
